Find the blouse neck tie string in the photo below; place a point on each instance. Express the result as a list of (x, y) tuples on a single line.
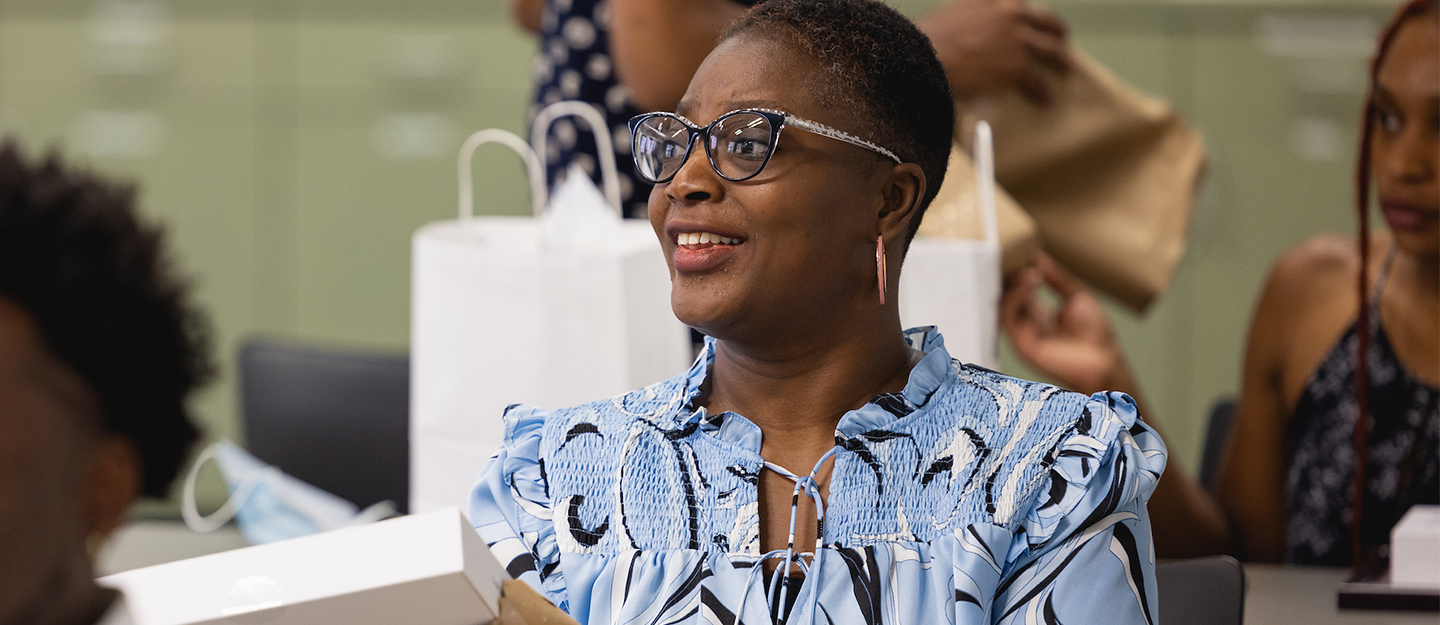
[(811, 488)]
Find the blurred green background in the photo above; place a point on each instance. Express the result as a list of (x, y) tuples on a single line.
[(292, 147)]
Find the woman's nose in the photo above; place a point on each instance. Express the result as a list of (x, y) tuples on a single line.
[(696, 181), (1412, 158)]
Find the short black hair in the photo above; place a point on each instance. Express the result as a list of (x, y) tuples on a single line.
[(881, 65), (107, 302)]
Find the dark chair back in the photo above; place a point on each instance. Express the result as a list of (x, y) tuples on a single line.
[(1201, 591), (1217, 432), (333, 418)]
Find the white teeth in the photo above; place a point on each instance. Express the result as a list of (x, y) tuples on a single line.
[(700, 238)]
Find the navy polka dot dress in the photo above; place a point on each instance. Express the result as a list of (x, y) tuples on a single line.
[(574, 63)]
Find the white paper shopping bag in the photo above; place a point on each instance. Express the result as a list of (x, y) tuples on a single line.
[(539, 310), (954, 284)]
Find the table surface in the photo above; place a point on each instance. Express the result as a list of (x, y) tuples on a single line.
[(1283, 595), (1277, 595), (147, 543)]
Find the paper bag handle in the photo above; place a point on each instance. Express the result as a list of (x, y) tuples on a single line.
[(985, 179), (609, 175), (533, 167)]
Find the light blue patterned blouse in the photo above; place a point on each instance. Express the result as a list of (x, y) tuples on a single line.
[(969, 497)]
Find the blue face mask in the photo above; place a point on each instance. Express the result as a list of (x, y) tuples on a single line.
[(269, 505)]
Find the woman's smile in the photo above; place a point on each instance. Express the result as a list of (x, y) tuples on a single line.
[(699, 247)]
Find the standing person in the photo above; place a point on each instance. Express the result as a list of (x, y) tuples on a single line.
[(99, 352), (818, 463), (1295, 459), (627, 55)]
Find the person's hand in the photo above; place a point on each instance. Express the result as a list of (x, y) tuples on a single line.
[(995, 45), (1074, 343)]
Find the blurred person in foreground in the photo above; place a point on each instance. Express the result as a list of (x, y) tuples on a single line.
[(99, 350), (818, 463), (625, 56), (1287, 484)]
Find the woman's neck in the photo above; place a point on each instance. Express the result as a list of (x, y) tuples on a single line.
[(1421, 272), (797, 392)]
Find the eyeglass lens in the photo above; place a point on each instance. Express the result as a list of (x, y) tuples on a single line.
[(738, 145)]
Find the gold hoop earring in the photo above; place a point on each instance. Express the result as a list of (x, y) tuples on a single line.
[(880, 265)]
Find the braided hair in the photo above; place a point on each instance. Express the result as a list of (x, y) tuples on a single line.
[(1411, 9)]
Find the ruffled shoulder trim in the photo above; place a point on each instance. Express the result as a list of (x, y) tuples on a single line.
[(522, 473), (1109, 458), (523, 422)]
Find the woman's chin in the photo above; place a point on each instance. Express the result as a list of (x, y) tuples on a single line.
[(1423, 243), (703, 320), (704, 310)]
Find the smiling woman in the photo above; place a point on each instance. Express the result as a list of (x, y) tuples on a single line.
[(818, 463)]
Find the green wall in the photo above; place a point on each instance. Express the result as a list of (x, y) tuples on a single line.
[(292, 147)]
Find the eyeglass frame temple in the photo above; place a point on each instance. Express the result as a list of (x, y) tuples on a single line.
[(818, 128)]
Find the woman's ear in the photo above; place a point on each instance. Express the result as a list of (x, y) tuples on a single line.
[(904, 189), (112, 483)]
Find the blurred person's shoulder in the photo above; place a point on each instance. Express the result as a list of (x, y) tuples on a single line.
[(1310, 300), (1313, 286), (1324, 267)]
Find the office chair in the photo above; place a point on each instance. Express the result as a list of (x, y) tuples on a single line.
[(1217, 431), (1201, 591), (336, 419)]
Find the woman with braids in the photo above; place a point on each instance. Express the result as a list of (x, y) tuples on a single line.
[(818, 463), (1341, 388), (99, 351)]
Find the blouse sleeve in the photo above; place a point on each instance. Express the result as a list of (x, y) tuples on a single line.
[(510, 506), (1087, 555)]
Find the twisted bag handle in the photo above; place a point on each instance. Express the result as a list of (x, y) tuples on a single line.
[(533, 167), (609, 175), (985, 180)]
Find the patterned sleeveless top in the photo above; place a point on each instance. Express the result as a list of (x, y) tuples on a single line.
[(1403, 468)]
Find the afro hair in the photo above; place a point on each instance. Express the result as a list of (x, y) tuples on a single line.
[(107, 302)]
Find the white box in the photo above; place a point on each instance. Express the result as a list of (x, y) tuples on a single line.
[(425, 569), (1415, 548)]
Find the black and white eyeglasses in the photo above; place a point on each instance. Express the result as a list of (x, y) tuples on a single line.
[(738, 144)]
